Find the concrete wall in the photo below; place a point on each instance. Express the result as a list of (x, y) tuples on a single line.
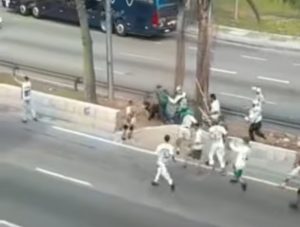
[(88, 115)]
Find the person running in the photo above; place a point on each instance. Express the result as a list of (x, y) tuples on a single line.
[(242, 150), (293, 173), (28, 111), (255, 119), (217, 135), (165, 152)]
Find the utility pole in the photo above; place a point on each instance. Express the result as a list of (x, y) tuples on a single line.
[(109, 51), (180, 46)]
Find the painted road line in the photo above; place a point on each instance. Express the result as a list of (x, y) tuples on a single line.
[(8, 224), (115, 71), (103, 140), (245, 97), (253, 58), (223, 71), (63, 177), (140, 57), (273, 80), (154, 154), (296, 64)]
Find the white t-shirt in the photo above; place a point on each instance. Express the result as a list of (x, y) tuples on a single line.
[(243, 152), (26, 91), (198, 144), (188, 120), (215, 109), (165, 152), (255, 114), (216, 133)]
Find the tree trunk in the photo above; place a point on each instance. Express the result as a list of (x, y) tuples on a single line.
[(88, 60), (203, 53), (180, 48)]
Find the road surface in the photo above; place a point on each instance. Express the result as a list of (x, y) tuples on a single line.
[(142, 63), (49, 178)]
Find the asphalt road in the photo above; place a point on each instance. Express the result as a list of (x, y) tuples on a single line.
[(142, 63), (51, 178)]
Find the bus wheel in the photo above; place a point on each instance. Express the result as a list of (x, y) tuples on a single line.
[(23, 9), (120, 28), (36, 12)]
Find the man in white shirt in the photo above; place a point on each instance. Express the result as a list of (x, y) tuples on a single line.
[(243, 150), (197, 146), (185, 135), (28, 111), (130, 121), (165, 153), (178, 96), (217, 135), (215, 108), (255, 119)]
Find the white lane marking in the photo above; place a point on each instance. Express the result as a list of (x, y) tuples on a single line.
[(244, 97), (53, 174), (115, 71), (273, 80), (141, 57), (103, 140), (9, 224), (223, 71), (296, 64), (270, 183), (253, 58)]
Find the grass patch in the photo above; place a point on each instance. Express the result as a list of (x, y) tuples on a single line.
[(276, 17)]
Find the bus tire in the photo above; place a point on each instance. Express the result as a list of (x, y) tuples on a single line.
[(36, 12), (23, 10), (120, 28)]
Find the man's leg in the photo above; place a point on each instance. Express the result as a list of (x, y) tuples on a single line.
[(32, 111), (130, 133), (211, 155), (157, 176), (251, 132), (220, 155), (165, 173), (296, 204), (25, 111), (124, 133), (258, 130), (290, 176)]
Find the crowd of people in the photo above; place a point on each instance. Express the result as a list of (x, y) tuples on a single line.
[(189, 141)]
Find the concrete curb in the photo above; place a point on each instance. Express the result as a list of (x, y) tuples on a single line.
[(253, 38), (88, 115)]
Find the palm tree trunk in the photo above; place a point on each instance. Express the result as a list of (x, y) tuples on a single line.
[(203, 52), (88, 61)]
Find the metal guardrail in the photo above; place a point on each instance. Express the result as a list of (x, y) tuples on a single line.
[(67, 77), (78, 80)]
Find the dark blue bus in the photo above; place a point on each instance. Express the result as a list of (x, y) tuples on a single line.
[(139, 17)]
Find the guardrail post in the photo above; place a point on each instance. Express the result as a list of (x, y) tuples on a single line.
[(76, 82)]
